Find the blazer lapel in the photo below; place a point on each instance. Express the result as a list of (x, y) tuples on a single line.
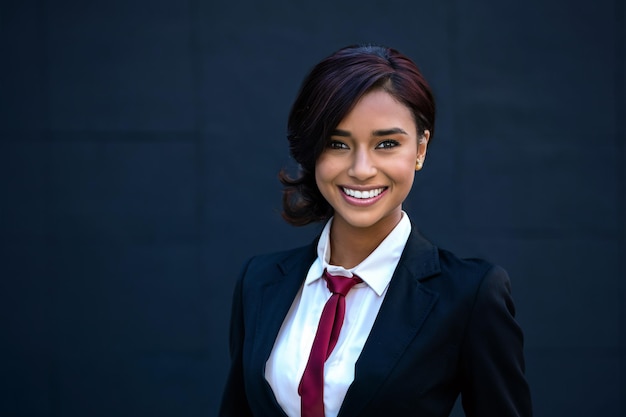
[(275, 299), (404, 310)]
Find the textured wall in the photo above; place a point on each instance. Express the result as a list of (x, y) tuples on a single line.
[(139, 146)]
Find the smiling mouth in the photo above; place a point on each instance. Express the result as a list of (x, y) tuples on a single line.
[(363, 194)]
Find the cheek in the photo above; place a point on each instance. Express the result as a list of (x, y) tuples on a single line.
[(323, 170), (322, 174), (403, 169), (405, 178)]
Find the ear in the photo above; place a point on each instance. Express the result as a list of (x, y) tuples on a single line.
[(422, 145)]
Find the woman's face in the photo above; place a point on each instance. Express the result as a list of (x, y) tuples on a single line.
[(367, 170)]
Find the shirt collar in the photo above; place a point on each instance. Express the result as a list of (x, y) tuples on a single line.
[(377, 269)]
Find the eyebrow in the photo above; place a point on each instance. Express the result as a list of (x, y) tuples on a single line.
[(381, 132)]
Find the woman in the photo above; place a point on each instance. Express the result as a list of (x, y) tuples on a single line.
[(412, 325)]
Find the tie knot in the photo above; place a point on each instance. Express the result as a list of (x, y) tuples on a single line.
[(338, 284)]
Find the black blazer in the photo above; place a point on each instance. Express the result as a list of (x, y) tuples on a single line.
[(446, 327)]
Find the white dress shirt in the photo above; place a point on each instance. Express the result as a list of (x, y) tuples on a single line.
[(292, 347)]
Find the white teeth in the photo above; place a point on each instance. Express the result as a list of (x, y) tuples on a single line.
[(363, 194)]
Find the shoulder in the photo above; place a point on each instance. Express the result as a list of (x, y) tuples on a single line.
[(282, 258), (264, 268), (451, 276), (435, 266), (471, 282), (467, 268)]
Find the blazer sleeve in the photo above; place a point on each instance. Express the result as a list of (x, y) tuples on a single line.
[(234, 399), (492, 360)]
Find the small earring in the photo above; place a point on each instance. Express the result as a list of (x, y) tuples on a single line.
[(418, 164)]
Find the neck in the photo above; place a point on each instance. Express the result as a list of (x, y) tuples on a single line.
[(351, 245)]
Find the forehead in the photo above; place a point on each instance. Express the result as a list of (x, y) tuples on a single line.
[(378, 109)]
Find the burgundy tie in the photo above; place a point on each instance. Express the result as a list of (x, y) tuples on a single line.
[(311, 387)]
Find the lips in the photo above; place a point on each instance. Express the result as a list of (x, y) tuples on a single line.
[(363, 194), (363, 198)]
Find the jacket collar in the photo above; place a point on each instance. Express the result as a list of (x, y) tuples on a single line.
[(406, 306), (404, 310)]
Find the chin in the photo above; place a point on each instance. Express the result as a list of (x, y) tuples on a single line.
[(361, 222)]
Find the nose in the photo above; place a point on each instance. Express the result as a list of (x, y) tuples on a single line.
[(362, 166)]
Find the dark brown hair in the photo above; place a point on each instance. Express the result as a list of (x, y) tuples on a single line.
[(326, 96)]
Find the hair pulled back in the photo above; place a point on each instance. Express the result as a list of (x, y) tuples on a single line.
[(326, 96)]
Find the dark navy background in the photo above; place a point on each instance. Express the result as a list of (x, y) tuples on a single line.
[(140, 142)]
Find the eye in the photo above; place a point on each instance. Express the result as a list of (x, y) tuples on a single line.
[(335, 144), (387, 144)]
